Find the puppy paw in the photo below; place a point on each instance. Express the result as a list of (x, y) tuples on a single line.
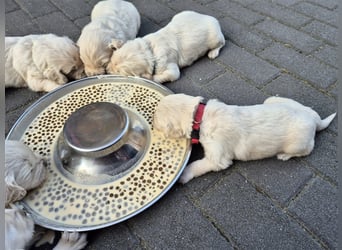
[(283, 157), (212, 54), (72, 241), (186, 176)]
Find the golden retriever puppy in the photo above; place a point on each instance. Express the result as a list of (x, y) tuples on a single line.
[(110, 19), (41, 62), (24, 170), (279, 127), (20, 230), (159, 55)]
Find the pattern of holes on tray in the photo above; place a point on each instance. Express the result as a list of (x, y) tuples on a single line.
[(65, 202)]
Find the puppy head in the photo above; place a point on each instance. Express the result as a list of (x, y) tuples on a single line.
[(57, 58), (134, 58), (24, 170), (19, 228), (174, 115), (94, 50)]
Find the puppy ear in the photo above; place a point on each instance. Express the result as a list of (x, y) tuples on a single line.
[(115, 44), (14, 192)]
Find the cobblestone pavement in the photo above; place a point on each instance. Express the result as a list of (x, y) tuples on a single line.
[(285, 47)]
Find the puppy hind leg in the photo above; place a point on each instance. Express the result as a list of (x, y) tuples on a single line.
[(296, 151), (213, 53), (172, 73)]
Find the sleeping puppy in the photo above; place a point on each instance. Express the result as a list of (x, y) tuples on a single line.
[(41, 62), (111, 19), (279, 127), (159, 55), (24, 171)]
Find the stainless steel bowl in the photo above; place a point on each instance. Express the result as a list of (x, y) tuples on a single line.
[(106, 162)]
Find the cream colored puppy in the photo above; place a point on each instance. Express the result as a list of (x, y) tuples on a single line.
[(19, 228), (111, 19), (159, 55), (279, 127), (41, 62), (19, 231), (24, 170)]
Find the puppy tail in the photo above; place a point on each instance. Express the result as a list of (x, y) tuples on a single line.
[(325, 123)]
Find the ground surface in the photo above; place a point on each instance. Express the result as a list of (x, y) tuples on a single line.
[(285, 47)]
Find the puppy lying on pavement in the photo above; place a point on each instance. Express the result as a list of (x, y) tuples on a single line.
[(279, 127), (41, 62), (159, 55), (25, 170)]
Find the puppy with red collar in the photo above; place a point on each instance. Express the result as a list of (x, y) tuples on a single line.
[(279, 127)]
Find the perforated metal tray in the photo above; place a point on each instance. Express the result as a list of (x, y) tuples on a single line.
[(63, 204)]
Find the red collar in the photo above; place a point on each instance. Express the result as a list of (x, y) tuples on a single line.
[(197, 122)]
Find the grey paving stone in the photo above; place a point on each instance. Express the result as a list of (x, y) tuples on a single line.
[(180, 5), (288, 35), (37, 8), (319, 13), (65, 27), (317, 208), (286, 2), (115, 237), (324, 155), (203, 71), (306, 67), (327, 54), (147, 27), (82, 21), (243, 35), (248, 64), (251, 219), (330, 4), (18, 23), (280, 13), (73, 9), (246, 2), (324, 31), (25, 94), (236, 11), (187, 86), (172, 217), (154, 10), (10, 6), (280, 180), (232, 90)]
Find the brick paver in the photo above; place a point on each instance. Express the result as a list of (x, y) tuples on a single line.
[(273, 47)]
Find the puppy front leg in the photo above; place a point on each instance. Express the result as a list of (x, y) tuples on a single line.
[(215, 160), (71, 241), (171, 73), (37, 84)]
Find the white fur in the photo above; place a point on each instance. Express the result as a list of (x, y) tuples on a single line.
[(41, 62), (160, 55), (71, 241), (25, 170), (279, 127), (19, 228), (111, 19)]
